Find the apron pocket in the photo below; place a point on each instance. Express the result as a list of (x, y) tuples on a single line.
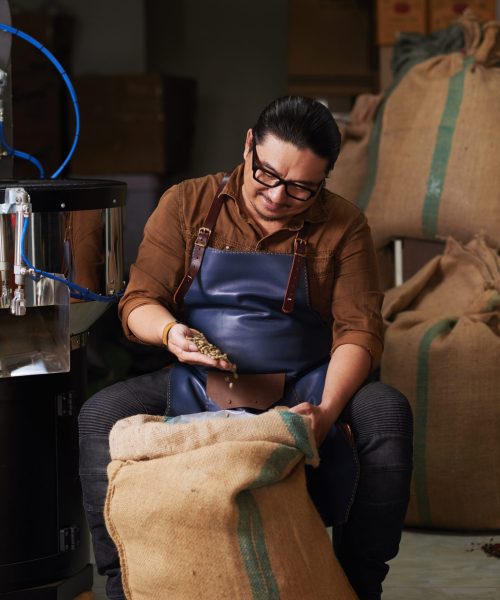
[(249, 390)]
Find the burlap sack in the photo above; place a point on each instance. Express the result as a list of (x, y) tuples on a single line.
[(434, 150), (349, 173), (217, 508), (442, 350)]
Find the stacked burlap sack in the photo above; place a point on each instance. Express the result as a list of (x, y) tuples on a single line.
[(348, 176), (434, 170), (215, 507), (431, 167), (442, 350)]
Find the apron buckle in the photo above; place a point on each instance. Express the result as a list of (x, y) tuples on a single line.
[(300, 247), (203, 236)]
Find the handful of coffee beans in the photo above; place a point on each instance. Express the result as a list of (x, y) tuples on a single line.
[(205, 347)]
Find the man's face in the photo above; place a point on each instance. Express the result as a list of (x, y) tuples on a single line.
[(284, 161)]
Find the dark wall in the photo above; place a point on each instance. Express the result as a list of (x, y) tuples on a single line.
[(236, 50)]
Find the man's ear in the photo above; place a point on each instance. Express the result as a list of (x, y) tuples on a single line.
[(248, 144)]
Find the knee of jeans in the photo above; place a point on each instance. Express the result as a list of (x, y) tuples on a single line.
[(379, 409), (102, 410), (96, 415)]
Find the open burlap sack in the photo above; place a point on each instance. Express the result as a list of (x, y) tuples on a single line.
[(442, 350), (217, 508), (434, 149)]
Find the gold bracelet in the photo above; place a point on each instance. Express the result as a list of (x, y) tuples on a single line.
[(166, 331)]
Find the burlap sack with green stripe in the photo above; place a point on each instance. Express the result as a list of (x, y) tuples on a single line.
[(217, 508), (442, 350), (349, 173), (434, 167)]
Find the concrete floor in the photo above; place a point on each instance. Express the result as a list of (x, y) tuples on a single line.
[(432, 566)]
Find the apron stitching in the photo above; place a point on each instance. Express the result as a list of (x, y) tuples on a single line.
[(250, 252)]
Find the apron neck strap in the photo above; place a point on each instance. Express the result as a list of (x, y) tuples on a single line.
[(299, 255), (201, 242)]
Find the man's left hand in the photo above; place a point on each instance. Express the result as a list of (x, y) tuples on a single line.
[(322, 420)]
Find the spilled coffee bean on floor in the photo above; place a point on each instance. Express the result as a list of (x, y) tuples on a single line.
[(491, 548)]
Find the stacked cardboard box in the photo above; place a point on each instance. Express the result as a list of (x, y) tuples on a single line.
[(419, 16), (442, 13), (396, 17), (330, 48), (137, 123), (424, 16)]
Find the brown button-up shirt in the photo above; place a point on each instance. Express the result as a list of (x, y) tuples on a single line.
[(341, 263)]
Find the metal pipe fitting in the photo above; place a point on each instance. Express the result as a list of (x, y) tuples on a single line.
[(5, 294)]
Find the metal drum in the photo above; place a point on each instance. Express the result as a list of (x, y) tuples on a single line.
[(73, 229)]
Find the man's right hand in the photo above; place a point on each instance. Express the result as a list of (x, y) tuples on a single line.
[(187, 352)]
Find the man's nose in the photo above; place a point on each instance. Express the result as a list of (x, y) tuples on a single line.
[(278, 194)]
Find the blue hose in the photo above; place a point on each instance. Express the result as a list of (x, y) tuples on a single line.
[(69, 85), (20, 154), (77, 291)]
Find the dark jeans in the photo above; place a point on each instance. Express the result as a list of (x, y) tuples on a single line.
[(381, 420)]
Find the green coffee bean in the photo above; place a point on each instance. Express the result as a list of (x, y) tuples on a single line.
[(205, 347)]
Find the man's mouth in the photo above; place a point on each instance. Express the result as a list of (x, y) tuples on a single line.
[(273, 206)]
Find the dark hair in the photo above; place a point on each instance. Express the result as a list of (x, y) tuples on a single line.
[(302, 121)]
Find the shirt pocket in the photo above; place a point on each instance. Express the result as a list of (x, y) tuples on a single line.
[(321, 266)]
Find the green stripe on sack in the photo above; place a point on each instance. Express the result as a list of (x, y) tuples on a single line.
[(253, 549), (297, 428), (442, 149), (272, 471), (251, 533), (373, 152), (420, 417), (493, 302)]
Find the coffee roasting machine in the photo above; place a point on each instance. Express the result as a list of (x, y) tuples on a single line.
[(61, 266)]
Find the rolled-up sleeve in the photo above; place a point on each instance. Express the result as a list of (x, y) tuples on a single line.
[(356, 299), (160, 261)]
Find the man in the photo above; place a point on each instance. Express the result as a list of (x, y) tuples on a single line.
[(280, 274)]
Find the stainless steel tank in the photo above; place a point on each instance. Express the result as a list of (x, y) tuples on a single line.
[(74, 229)]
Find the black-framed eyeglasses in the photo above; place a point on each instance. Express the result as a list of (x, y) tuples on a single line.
[(295, 190)]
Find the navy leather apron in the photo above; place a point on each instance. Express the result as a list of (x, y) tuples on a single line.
[(236, 301)]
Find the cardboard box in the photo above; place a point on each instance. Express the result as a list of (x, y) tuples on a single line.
[(39, 93), (137, 123), (330, 47), (396, 16), (442, 13)]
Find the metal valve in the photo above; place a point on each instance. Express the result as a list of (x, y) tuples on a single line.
[(17, 201), (18, 302)]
